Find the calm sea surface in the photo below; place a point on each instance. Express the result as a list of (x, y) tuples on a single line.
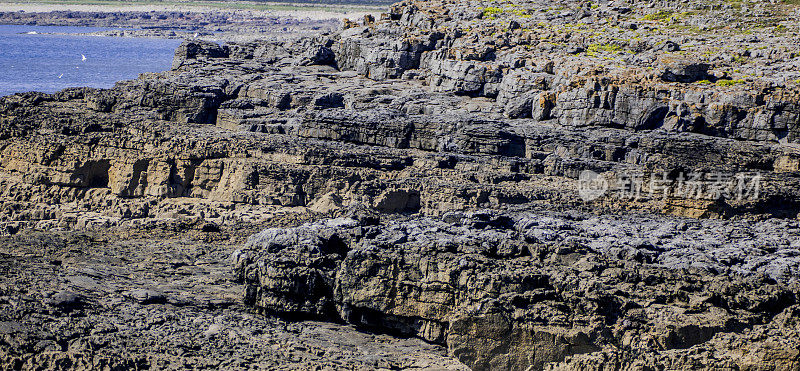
[(33, 61)]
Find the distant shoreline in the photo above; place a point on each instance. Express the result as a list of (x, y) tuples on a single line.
[(295, 10)]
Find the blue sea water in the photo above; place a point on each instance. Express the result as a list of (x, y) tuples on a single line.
[(31, 60)]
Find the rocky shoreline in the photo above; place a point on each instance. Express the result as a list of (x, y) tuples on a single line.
[(184, 23), (455, 184)]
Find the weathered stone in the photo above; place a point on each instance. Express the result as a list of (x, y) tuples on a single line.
[(365, 155)]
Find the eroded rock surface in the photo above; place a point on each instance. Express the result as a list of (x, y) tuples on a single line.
[(510, 291), (433, 164), (163, 297)]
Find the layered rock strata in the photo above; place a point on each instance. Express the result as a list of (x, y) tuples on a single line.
[(388, 136)]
